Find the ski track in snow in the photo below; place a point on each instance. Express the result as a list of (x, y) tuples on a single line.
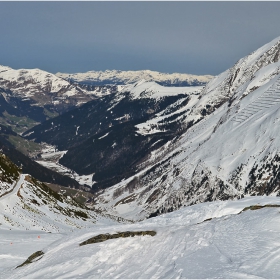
[(231, 245)]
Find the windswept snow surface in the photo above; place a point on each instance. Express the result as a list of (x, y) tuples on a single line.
[(17, 245), (186, 245)]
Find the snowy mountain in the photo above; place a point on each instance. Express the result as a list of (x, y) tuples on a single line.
[(27, 82), (118, 77), (30, 96), (212, 152), (232, 239), (231, 150)]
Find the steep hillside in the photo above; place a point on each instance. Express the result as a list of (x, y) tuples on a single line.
[(233, 151), (9, 138), (28, 204), (19, 151), (35, 169), (9, 174), (117, 77)]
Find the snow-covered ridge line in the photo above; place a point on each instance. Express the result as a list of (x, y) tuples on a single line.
[(146, 89), (35, 89), (34, 77), (127, 77)]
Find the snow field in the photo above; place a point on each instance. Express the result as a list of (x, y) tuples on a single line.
[(17, 245), (144, 89), (230, 245)]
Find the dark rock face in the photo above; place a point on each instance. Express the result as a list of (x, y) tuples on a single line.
[(107, 236), (32, 258)]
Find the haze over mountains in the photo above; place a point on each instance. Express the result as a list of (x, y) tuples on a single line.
[(142, 150)]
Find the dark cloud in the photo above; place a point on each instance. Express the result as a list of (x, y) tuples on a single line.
[(190, 37)]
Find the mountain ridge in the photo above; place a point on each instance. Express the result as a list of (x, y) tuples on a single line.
[(120, 77)]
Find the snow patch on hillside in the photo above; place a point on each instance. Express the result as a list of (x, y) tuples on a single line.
[(50, 157)]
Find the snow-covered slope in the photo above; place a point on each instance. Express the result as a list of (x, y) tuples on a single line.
[(36, 95), (31, 82), (32, 215), (31, 205), (209, 240), (129, 77), (230, 152)]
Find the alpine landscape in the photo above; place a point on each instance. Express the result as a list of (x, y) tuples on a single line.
[(140, 173)]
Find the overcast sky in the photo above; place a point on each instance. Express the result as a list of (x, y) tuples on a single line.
[(186, 37)]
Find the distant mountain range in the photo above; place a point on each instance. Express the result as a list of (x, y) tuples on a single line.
[(231, 150), (117, 77)]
